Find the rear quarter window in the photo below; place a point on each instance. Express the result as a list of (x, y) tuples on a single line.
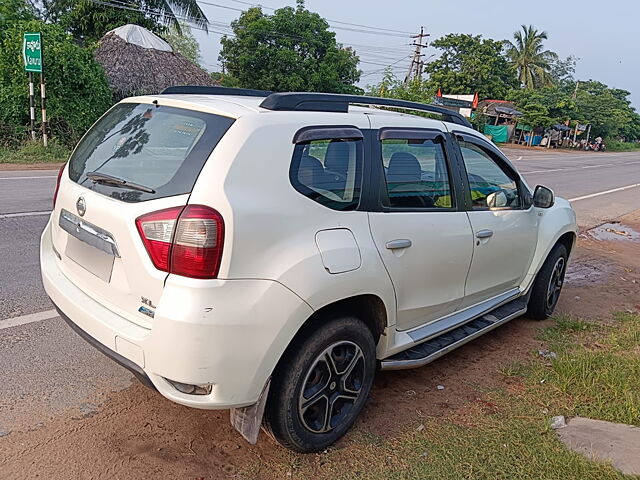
[(161, 148), (329, 172)]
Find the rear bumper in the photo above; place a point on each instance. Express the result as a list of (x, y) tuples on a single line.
[(116, 357), (226, 333)]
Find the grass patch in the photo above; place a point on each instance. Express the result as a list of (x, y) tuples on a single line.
[(504, 438), (566, 331), (617, 146), (595, 375), (34, 152), (506, 434)]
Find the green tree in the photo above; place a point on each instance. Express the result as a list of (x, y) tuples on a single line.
[(470, 64), (14, 10), (292, 50), (89, 21), (563, 70), (183, 42), (77, 90), (392, 87), (224, 80), (529, 58), (536, 115), (608, 110), (557, 101)]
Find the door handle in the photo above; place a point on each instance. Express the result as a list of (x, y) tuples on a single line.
[(484, 233), (400, 243)]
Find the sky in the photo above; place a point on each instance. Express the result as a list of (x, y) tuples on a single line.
[(605, 36)]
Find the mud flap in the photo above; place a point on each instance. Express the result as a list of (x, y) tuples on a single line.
[(247, 420)]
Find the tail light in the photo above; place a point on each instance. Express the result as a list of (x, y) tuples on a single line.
[(55, 192), (185, 241)]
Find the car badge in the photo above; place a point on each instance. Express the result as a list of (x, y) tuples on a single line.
[(81, 206)]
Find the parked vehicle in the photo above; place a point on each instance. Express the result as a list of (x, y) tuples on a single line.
[(596, 147), (260, 252)]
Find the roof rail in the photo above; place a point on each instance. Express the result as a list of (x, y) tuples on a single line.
[(317, 102), (332, 102), (206, 90)]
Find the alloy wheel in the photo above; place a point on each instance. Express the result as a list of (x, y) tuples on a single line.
[(331, 387), (555, 283)]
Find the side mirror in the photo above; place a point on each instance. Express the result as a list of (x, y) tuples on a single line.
[(543, 197), (497, 199)]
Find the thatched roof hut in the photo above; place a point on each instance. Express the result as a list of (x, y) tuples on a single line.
[(138, 62)]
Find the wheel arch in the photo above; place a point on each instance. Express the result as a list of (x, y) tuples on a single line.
[(568, 239), (369, 308)]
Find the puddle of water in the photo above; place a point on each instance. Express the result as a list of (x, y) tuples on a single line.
[(614, 231), (588, 272)]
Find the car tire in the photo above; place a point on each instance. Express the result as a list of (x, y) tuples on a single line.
[(548, 284), (330, 370)]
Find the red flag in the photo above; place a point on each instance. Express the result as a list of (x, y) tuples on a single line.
[(439, 94), (474, 104)]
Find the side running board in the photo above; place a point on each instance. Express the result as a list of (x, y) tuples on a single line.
[(435, 347)]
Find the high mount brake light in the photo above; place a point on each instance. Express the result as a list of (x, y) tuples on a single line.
[(185, 241), (55, 192)]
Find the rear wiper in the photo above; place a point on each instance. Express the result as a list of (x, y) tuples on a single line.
[(103, 178)]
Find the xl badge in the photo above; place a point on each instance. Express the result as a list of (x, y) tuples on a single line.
[(81, 206)]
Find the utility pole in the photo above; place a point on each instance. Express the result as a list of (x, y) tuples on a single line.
[(575, 91), (417, 64)]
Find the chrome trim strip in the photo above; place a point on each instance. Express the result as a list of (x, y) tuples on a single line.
[(456, 319), (419, 362), (88, 233)]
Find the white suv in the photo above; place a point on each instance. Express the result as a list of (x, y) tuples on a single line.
[(268, 252)]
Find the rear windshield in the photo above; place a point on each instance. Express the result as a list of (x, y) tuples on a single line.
[(159, 148)]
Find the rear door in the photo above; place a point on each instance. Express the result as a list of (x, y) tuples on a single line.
[(420, 229), (503, 220), (138, 158)]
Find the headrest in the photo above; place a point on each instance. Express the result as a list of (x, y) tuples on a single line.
[(404, 167)]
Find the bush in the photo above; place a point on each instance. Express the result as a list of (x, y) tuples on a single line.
[(76, 87), (618, 146), (33, 152)]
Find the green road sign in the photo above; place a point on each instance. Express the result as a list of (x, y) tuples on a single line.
[(32, 52)]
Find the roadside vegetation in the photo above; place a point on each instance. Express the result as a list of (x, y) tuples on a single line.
[(506, 433), (293, 48), (618, 146), (34, 152)]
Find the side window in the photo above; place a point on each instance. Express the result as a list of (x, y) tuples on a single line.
[(329, 172), (416, 174), (491, 186)]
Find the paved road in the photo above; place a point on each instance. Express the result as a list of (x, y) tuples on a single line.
[(26, 191), (580, 174), (45, 368)]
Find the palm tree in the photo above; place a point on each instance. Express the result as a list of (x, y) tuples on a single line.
[(528, 57), (91, 19)]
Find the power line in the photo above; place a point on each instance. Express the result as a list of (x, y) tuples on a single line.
[(329, 20), (375, 53), (227, 27), (375, 30)]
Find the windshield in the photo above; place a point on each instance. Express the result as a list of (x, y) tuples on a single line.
[(162, 148)]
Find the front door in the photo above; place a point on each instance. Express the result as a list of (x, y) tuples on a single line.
[(422, 234), (504, 223)]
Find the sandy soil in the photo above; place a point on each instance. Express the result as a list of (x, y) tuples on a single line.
[(30, 166), (138, 434)]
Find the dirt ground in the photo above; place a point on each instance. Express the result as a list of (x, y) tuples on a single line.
[(138, 434), (29, 166)]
